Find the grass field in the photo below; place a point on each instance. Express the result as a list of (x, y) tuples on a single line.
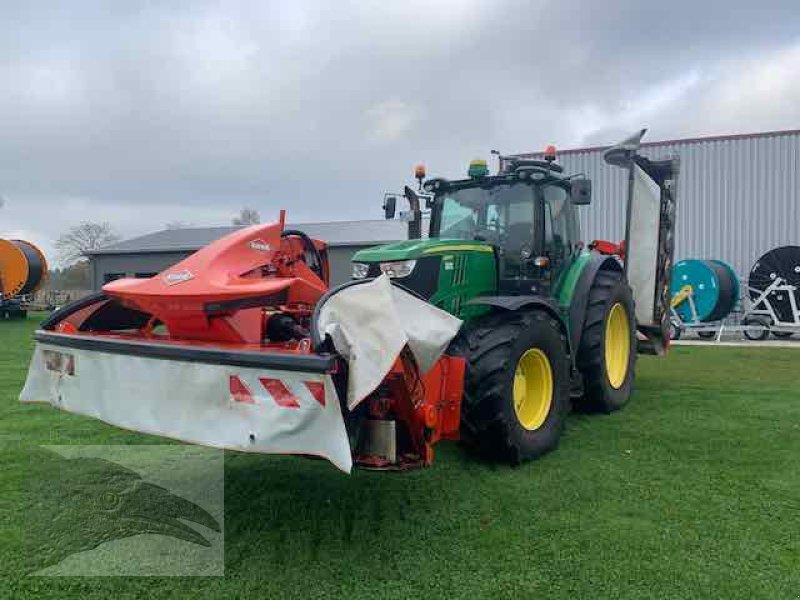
[(692, 492)]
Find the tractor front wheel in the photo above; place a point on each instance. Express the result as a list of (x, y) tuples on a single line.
[(607, 350), (516, 392)]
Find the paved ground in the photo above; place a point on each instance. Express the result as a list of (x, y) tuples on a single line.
[(739, 343), (733, 335)]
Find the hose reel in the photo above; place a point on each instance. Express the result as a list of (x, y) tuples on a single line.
[(23, 268), (712, 285), (780, 268)]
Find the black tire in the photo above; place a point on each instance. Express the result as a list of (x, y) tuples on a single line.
[(756, 335), (599, 395), (675, 331), (493, 347), (783, 334)]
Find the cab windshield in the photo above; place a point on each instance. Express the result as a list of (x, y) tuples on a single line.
[(488, 214), (506, 217)]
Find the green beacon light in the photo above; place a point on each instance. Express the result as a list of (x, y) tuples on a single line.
[(478, 168)]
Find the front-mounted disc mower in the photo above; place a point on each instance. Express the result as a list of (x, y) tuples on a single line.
[(485, 331)]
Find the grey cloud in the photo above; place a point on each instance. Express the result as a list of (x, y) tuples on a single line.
[(142, 114)]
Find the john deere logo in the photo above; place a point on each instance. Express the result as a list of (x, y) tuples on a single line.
[(179, 277), (260, 245)]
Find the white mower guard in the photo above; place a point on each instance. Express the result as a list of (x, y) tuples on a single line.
[(233, 406)]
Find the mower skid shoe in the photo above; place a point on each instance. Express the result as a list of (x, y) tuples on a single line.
[(273, 403)]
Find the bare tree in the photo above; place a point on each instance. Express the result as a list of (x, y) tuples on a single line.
[(73, 277), (247, 216), (85, 236)]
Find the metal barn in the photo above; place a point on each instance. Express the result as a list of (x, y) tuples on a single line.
[(738, 195)]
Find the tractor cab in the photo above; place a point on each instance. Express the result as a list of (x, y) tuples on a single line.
[(526, 214), (514, 233)]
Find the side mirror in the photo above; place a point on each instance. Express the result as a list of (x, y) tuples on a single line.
[(581, 194), (389, 206)]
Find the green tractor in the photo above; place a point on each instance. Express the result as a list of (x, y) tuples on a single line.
[(549, 320)]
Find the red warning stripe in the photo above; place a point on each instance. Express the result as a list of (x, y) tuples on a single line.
[(317, 390), (279, 392), (239, 390)]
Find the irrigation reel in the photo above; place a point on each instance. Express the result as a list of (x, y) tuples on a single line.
[(709, 299), (704, 293), (773, 295)]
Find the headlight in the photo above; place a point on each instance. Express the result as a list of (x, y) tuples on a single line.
[(400, 268), (360, 270)]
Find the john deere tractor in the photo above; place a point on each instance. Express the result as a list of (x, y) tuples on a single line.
[(549, 320)]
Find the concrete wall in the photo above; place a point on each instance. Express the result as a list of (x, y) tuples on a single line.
[(106, 265)]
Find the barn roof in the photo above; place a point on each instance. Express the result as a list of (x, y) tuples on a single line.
[(334, 233)]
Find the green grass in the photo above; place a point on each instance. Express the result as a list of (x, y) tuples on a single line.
[(692, 492)]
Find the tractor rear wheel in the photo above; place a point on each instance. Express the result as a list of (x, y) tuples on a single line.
[(607, 350), (516, 388)]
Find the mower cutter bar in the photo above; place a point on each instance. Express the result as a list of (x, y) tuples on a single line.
[(307, 363)]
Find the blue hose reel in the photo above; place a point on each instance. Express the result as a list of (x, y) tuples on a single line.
[(711, 286)]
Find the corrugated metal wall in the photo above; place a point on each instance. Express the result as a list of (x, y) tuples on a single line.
[(737, 197)]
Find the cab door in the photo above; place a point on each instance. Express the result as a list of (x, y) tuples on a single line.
[(560, 230)]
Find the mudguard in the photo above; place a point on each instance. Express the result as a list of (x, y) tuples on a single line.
[(580, 296), (513, 303)]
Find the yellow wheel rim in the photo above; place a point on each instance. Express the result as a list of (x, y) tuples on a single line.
[(533, 389), (618, 345)]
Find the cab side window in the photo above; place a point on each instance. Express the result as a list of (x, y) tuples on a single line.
[(458, 221), (558, 226)]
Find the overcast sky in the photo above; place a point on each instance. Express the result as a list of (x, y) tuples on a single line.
[(144, 113)]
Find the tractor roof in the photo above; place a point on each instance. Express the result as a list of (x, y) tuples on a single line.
[(524, 171)]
